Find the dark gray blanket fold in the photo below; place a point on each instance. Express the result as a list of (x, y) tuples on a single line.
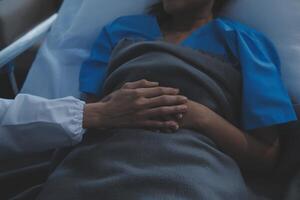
[(138, 164)]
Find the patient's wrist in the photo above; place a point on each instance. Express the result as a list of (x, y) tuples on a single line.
[(205, 120), (92, 115)]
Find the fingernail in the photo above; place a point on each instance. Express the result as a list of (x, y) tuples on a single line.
[(180, 116), (184, 107), (184, 99)]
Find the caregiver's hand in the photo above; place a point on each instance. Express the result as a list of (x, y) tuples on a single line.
[(136, 105)]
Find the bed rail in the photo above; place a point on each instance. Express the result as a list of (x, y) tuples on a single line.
[(8, 54)]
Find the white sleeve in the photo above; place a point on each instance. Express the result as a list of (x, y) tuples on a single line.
[(31, 124)]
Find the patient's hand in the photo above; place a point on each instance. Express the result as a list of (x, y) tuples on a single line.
[(139, 105), (196, 115)]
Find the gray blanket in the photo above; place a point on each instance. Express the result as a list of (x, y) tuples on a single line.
[(138, 164)]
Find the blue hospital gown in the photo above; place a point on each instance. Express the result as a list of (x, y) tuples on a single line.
[(265, 101)]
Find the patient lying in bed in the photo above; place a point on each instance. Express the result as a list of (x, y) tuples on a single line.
[(142, 164), (223, 68)]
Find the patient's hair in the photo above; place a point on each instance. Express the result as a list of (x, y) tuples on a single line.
[(157, 9)]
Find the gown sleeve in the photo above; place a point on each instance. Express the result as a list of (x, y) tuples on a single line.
[(93, 70), (33, 124), (265, 100)]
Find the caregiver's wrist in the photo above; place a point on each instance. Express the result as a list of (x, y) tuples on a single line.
[(92, 113)]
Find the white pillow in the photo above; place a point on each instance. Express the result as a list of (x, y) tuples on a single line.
[(55, 72), (279, 20)]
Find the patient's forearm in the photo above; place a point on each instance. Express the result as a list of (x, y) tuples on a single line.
[(248, 151)]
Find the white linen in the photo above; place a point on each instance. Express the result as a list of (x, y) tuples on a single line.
[(280, 21), (55, 72), (32, 124)]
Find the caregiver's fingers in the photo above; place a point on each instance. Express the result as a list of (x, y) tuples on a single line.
[(156, 91), (179, 116), (170, 118), (163, 111), (154, 124), (165, 100), (140, 84)]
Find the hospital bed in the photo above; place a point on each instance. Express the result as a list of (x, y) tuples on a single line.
[(16, 19), (21, 45), (59, 29)]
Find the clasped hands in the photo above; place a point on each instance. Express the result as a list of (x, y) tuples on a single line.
[(145, 104)]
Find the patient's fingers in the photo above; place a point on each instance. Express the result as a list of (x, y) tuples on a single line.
[(140, 84), (163, 111), (165, 100), (156, 91)]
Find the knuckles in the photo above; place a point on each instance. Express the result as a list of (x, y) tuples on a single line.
[(144, 82), (139, 103), (161, 91), (139, 83), (126, 86)]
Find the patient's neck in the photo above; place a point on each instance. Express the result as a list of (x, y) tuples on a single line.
[(186, 21)]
